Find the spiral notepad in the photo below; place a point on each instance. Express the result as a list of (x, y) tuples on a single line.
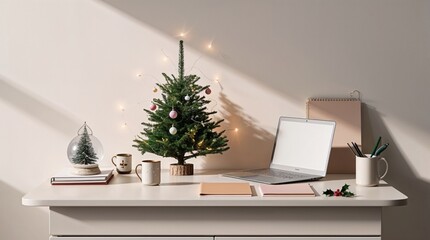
[(347, 114)]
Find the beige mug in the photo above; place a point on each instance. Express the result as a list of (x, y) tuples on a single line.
[(122, 162), (367, 170), (151, 170)]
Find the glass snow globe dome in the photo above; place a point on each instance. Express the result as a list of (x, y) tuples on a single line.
[(85, 151)]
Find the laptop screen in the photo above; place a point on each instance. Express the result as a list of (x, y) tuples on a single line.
[(303, 144)]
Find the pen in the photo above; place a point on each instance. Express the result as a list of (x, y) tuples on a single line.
[(352, 150), (381, 149), (376, 146)]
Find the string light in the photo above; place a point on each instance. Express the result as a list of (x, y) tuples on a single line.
[(165, 59), (121, 108), (182, 34), (236, 130), (210, 45)]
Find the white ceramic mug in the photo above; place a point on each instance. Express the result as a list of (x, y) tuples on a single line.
[(367, 170), (150, 172), (122, 162)]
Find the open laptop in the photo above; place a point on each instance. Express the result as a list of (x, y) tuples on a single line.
[(301, 152)]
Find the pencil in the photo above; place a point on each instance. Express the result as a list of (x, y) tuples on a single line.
[(360, 154), (352, 150)]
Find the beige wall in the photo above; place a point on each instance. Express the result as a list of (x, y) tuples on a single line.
[(66, 62)]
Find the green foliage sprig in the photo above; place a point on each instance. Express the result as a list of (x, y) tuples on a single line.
[(344, 192)]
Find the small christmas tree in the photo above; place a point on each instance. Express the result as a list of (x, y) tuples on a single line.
[(179, 124), (85, 153)]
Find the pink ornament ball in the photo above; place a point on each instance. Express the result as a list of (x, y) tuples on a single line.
[(173, 114), (208, 91), (153, 107)]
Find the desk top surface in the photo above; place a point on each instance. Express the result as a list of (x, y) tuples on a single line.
[(183, 191)]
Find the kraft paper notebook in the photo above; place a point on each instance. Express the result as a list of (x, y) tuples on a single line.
[(226, 189), (347, 114), (299, 189)]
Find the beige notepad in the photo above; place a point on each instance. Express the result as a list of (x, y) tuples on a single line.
[(347, 114), (231, 189), (298, 189)]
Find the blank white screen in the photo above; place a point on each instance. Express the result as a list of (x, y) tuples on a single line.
[(303, 145)]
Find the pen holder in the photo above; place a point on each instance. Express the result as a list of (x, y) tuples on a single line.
[(367, 170)]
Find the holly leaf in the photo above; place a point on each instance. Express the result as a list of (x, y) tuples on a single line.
[(348, 194), (345, 188), (328, 192)]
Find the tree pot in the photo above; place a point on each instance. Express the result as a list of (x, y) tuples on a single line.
[(181, 170)]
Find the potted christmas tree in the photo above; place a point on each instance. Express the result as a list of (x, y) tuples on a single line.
[(179, 124)]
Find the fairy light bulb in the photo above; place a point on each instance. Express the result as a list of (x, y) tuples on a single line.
[(124, 125), (210, 46), (165, 59), (236, 130)]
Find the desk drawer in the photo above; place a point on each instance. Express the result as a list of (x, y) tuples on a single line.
[(214, 221)]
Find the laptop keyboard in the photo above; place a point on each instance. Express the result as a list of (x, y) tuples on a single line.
[(283, 174)]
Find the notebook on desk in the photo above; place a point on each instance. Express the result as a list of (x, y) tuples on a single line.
[(301, 152)]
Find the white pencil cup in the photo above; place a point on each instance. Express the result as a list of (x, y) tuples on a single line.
[(367, 170), (150, 172)]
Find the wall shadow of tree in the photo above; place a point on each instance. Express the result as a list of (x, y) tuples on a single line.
[(409, 222), (250, 146)]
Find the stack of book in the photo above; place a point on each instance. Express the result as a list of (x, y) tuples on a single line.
[(65, 177)]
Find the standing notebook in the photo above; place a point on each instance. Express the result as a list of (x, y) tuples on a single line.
[(347, 114)]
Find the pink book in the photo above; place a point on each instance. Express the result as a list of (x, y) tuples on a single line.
[(297, 189)]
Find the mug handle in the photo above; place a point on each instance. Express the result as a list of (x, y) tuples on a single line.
[(135, 170), (113, 161), (386, 168)]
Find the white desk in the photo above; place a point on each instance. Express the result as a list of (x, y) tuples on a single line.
[(125, 209)]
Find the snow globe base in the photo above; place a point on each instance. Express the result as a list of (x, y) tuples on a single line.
[(88, 169)]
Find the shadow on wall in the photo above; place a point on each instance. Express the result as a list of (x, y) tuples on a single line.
[(411, 221), (250, 146), (34, 106), (17, 221)]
